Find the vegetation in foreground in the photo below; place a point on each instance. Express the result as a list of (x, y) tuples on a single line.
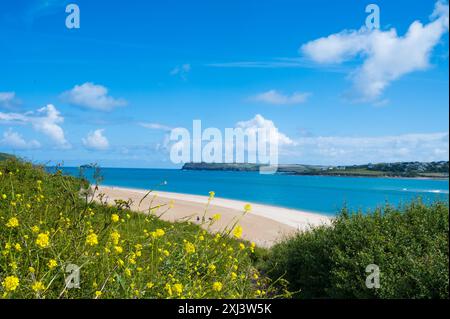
[(46, 227), (408, 244)]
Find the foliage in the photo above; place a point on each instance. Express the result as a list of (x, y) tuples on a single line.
[(46, 225), (409, 244)]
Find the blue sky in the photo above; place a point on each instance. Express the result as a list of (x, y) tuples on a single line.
[(134, 69)]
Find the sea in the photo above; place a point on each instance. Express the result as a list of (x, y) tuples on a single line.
[(320, 194)]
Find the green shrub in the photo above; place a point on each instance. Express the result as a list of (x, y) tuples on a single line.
[(409, 244)]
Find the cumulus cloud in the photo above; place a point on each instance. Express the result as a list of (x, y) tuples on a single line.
[(92, 96), (45, 120), (96, 141), (15, 141), (277, 98), (259, 122), (385, 55), (7, 99)]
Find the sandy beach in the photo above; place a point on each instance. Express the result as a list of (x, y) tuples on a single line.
[(264, 225)]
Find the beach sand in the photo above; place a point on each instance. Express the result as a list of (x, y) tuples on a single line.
[(264, 225)]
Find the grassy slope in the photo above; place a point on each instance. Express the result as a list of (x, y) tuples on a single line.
[(151, 259)]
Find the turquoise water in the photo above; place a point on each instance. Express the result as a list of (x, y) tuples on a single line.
[(313, 193)]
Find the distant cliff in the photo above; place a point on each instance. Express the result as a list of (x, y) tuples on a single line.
[(400, 169)]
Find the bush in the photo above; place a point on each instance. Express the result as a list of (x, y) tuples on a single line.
[(45, 225), (409, 244)]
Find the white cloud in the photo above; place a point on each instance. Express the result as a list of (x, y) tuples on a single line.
[(7, 99), (181, 71), (274, 97), (96, 140), (386, 56), (92, 96), (155, 126), (259, 122), (45, 120), (15, 141)]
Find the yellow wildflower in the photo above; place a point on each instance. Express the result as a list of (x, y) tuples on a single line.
[(233, 275), (37, 286), (241, 246), (91, 239), (189, 247), (42, 240), (115, 236), (118, 249), (217, 286), (52, 263), (31, 270), (12, 222), (247, 208), (159, 232), (237, 232), (211, 195), (211, 267), (178, 289), (10, 283), (115, 218), (98, 294), (216, 217), (18, 247), (150, 285)]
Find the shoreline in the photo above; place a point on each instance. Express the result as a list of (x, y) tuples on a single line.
[(264, 224)]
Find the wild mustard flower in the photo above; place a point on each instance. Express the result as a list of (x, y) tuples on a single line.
[(237, 232), (10, 283), (189, 247), (98, 294), (115, 237), (43, 240), (91, 239), (31, 270), (35, 229), (37, 286), (159, 232), (211, 195), (177, 289), (52, 263), (212, 267), (247, 208), (216, 217), (115, 218), (13, 222), (118, 249), (233, 275), (217, 286), (18, 247), (241, 246)]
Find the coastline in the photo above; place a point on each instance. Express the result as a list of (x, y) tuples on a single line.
[(264, 225)]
